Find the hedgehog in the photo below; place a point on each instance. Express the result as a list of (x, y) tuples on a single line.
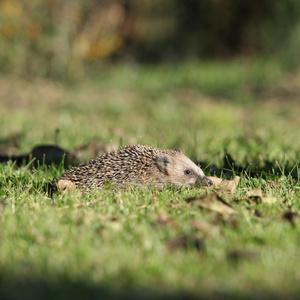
[(137, 165)]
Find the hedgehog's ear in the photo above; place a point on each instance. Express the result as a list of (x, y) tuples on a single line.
[(178, 150), (162, 162)]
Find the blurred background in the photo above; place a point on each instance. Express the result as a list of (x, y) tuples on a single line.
[(203, 75), (219, 79), (66, 39)]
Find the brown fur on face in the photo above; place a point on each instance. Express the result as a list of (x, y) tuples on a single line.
[(138, 165), (179, 170)]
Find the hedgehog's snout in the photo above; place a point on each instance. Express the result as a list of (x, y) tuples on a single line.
[(209, 182), (203, 181)]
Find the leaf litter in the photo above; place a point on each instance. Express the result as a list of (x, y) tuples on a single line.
[(164, 219), (185, 242), (205, 227), (224, 185), (257, 195), (50, 154), (214, 203)]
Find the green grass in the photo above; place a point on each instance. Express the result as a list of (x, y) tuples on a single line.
[(110, 244)]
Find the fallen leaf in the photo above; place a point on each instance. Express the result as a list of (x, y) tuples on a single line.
[(230, 185), (164, 219), (216, 181), (184, 242), (231, 221), (225, 185), (255, 193), (261, 199), (205, 226), (213, 202), (201, 225)]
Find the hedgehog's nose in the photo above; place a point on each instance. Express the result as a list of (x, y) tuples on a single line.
[(209, 182), (205, 181)]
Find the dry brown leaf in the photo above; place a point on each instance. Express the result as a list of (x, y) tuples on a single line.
[(164, 219), (205, 226), (201, 225), (230, 185), (260, 199), (213, 202), (230, 221), (255, 193), (183, 242), (216, 181), (225, 185), (66, 186)]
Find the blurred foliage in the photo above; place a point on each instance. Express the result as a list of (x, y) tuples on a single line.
[(64, 39)]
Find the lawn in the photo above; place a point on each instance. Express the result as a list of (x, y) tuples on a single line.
[(144, 243)]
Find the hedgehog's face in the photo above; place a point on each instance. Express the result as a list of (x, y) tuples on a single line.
[(181, 171)]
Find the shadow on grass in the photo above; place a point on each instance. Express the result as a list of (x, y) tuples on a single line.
[(51, 155), (266, 169), (20, 288)]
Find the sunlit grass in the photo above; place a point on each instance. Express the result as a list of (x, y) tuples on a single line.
[(110, 243)]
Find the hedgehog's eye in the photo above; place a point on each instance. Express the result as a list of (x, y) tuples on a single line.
[(187, 172)]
